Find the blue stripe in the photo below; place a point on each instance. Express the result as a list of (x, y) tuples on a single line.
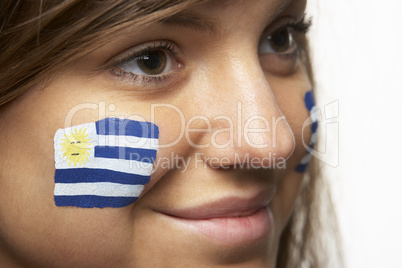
[(115, 126), (137, 154), (311, 146), (314, 127), (93, 201), (77, 175), (309, 100), (301, 168)]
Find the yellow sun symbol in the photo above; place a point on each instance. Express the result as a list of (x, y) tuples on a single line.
[(76, 147)]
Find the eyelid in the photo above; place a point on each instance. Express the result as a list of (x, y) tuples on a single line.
[(137, 50), (134, 53), (299, 25)]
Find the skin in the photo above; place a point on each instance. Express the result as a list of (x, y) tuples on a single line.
[(215, 71)]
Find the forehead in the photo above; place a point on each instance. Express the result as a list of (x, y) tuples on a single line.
[(222, 4), (271, 6), (209, 15)]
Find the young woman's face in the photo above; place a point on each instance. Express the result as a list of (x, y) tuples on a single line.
[(224, 84)]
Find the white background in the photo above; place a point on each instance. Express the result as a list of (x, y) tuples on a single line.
[(357, 59)]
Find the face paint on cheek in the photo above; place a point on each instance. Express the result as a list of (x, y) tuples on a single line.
[(310, 105), (105, 163)]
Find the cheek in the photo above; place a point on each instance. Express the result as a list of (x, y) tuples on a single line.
[(28, 213), (286, 195), (290, 95), (31, 224), (169, 119)]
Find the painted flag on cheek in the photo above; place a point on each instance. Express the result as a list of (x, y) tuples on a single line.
[(105, 163), (310, 105)]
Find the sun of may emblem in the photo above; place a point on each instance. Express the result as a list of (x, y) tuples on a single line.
[(75, 147)]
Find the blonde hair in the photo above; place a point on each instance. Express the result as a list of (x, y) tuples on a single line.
[(39, 37)]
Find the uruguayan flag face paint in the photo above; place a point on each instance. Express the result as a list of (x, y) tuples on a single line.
[(310, 105), (105, 163)]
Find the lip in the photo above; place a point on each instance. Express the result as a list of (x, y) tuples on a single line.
[(232, 220)]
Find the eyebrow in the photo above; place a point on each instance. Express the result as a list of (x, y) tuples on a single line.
[(195, 21)]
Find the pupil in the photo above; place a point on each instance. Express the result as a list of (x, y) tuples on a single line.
[(153, 62), (280, 41)]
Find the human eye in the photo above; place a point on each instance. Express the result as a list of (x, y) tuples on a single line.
[(151, 63), (279, 50)]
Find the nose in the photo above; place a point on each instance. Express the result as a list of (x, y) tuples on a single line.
[(246, 121)]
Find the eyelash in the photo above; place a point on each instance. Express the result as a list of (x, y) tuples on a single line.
[(163, 45), (301, 27)]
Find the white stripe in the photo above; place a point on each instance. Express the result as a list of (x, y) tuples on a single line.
[(98, 188), (127, 141), (121, 165), (314, 113), (306, 159), (313, 138)]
